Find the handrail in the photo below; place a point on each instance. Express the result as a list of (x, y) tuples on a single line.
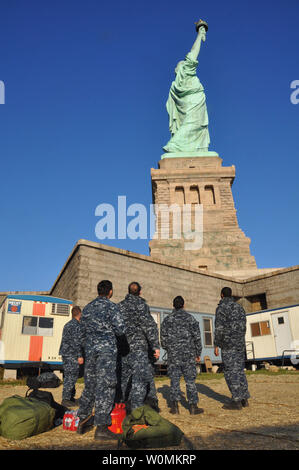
[(287, 350), (252, 349)]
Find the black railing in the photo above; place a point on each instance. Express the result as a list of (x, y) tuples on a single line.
[(250, 350), (288, 350)]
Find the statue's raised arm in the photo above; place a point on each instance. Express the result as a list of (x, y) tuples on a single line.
[(201, 28), (186, 104)]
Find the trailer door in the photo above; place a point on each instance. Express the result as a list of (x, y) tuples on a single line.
[(282, 332)]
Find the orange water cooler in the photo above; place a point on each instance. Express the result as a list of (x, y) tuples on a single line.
[(117, 416)]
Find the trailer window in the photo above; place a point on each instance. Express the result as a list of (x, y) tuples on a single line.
[(45, 326), (207, 328), (260, 328), (29, 325), (37, 326)]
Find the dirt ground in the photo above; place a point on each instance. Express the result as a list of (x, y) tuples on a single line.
[(271, 422)]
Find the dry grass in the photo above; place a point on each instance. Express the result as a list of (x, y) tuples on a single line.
[(271, 421)]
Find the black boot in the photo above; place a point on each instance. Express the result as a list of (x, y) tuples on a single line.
[(76, 401), (85, 424), (174, 408), (244, 402), (233, 405), (194, 410), (102, 432)]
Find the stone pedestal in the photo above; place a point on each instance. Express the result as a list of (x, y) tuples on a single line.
[(199, 180)]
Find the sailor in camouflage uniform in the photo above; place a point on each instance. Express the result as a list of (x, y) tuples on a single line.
[(230, 329), (72, 357), (101, 322), (142, 334), (180, 336)]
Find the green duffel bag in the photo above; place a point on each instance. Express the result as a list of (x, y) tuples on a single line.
[(145, 428), (24, 417)]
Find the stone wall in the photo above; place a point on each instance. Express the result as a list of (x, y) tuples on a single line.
[(66, 285), (91, 262)]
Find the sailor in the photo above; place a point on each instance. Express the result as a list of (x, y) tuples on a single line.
[(72, 357), (101, 322), (142, 334), (230, 329), (180, 336)]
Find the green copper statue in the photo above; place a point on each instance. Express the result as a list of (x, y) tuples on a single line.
[(186, 104)]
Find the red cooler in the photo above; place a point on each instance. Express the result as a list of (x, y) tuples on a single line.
[(117, 415)]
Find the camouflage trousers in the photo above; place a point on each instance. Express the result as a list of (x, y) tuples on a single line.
[(99, 387), (71, 370), (152, 392), (137, 369), (175, 370), (234, 363)]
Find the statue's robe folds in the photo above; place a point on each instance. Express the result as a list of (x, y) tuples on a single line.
[(186, 106)]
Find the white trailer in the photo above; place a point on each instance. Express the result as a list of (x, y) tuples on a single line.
[(31, 330), (273, 335)]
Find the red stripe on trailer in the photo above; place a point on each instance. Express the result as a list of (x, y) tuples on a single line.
[(39, 309), (36, 342), (35, 348)]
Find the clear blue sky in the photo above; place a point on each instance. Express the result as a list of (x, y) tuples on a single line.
[(85, 120)]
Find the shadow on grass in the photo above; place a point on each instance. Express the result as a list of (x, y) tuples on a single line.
[(165, 392), (202, 390), (210, 393)]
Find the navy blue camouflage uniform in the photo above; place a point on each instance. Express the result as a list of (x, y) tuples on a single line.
[(70, 350), (180, 337), (100, 324), (230, 329), (142, 335)]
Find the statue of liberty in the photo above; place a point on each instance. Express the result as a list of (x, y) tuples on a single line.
[(186, 104)]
